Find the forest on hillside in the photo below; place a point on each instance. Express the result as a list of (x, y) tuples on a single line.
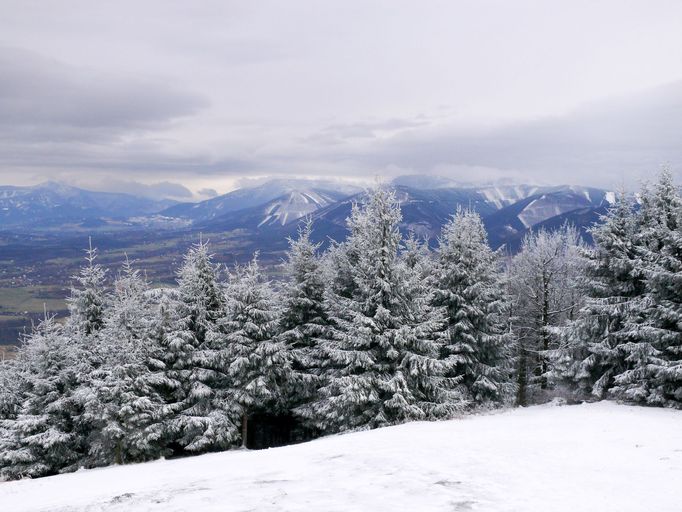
[(376, 330)]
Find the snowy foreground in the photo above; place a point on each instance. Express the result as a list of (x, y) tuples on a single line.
[(601, 457)]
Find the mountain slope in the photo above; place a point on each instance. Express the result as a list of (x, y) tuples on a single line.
[(275, 213), (513, 222), (594, 457), (51, 204), (244, 198), (424, 211)]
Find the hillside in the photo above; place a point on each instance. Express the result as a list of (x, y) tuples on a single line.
[(597, 457)]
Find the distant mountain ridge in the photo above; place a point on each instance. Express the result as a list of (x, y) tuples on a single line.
[(271, 211), (53, 203), (244, 198)]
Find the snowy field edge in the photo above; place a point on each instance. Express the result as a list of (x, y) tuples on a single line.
[(602, 456)]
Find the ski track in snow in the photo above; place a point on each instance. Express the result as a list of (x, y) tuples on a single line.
[(597, 457)]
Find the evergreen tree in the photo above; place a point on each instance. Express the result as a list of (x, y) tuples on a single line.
[(201, 418), (304, 317), (654, 349), (613, 282), (11, 397), (43, 438), (255, 360), (467, 283), (384, 366), (87, 302), (124, 400)]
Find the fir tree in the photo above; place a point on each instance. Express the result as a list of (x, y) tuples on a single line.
[(43, 438), (384, 365), (304, 318), (87, 302), (123, 398), (468, 285), (612, 283), (654, 349), (255, 360), (202, 418)]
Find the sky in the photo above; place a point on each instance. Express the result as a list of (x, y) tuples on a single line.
[(189, 99)]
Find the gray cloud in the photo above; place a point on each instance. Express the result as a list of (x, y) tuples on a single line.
[(43, 100), (210, 93), (207, 192), (612, 141), (162, 190)]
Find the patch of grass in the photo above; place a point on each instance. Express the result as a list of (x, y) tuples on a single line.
[(32, 299)]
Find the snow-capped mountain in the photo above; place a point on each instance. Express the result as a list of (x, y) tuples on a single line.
[(424, 211), (547, 207), (505, 195), (276, 213), (52, 203), (266, 214), (296, 204), (244, 198)]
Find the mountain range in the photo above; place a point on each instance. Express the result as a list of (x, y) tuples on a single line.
[(54, 204), (272, 210)]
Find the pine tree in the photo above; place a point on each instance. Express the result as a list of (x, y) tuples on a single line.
[(384, 366), (654, 349), (467, 283), (11, 397), (87, 302), (304, 317), (43, 438), (613, 282), (255, 360), (202, 419), (124, 400)]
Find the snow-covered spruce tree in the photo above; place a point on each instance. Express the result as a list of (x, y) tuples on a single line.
[(257, 363), (11, 397), (123, 399), (417, 256), (43, 438), (612, 283), (304, 318), (467, 283), (545, 278), (201, 419), (654, 349), (87, 302), (384, 367)]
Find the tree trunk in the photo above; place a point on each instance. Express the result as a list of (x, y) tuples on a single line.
[(545, 334), (245, 430), (521, 378)]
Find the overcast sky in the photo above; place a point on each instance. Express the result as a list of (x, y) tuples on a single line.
[(195, 96)]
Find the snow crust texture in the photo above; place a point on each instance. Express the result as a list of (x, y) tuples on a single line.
[(597, 457)]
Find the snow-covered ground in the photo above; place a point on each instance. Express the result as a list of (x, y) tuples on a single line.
[(599, 457)]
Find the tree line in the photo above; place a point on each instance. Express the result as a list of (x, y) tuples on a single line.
[(376, 330)]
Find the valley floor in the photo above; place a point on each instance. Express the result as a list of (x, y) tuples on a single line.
[(594, 457)]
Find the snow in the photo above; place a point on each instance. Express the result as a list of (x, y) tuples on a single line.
[(507, 195), (294, 205), (597, 457)]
